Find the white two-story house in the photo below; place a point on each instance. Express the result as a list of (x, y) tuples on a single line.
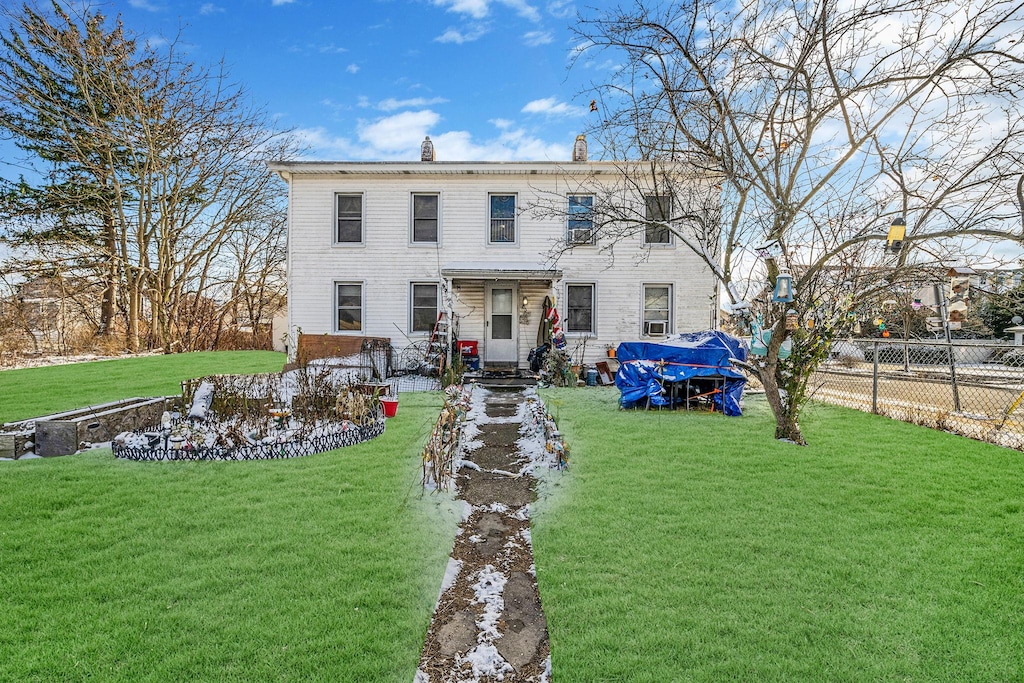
[(381, 249)]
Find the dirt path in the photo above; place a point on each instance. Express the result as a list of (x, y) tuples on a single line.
[(489, 624)]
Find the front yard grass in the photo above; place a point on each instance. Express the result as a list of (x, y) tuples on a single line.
[(34, 392), (318, 568), (694, 547)]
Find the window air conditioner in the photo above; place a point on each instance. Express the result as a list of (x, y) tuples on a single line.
[(581, 236), (655, 328)]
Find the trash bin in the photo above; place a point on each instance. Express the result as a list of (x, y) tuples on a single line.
[(591, 377)]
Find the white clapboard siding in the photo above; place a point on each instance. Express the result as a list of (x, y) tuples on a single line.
[(387, 263)]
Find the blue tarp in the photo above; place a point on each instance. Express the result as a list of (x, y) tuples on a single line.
[(645, 367)]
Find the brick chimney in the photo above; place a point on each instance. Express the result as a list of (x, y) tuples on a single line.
[(427, 150)]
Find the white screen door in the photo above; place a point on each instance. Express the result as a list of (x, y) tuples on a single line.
[(501, 344)]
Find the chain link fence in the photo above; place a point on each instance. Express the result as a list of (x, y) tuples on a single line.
[(973, 388)]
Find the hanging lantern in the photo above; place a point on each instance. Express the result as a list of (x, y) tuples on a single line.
[(897, 231), (792, 320), (783, 288)]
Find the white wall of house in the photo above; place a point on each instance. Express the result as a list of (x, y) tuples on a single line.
[(386, 263)]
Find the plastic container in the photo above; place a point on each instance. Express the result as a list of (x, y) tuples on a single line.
[(471, 362), (591, 377), (390, 406), (468, 347)]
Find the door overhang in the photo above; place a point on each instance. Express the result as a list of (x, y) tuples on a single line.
[(511, 271)]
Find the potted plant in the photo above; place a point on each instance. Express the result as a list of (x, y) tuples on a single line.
[(610, 350)]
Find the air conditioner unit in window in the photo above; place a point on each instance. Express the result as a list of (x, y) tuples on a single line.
[(655, 328), (581, 236)]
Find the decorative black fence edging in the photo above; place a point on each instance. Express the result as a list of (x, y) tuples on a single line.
[(261, 451)]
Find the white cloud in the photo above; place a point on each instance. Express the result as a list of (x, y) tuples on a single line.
[(509, 145), (352, 68), (278, 3), (210, 8), (535, 38), (391, 104), (400, 132), (144, 5), (479, 9), (469, 34), (398, 138), (523, 9), (561, 9), (549, 106), (323, 145), (475, 8), (331, 49)]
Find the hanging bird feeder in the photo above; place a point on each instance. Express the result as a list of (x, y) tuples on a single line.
[(897, 231), (792, 320), (783, 288)]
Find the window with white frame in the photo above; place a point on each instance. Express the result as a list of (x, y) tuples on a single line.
[(657, 310), (502, 213), (422, 306), (348, 304), (579, 309), (425, 218), (580, 228), (659, 212), (349, 216)]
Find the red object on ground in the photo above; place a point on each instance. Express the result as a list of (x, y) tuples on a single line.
[(390, 406)]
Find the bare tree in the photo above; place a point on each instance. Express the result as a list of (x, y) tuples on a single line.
[(164, 159), (816, 125)]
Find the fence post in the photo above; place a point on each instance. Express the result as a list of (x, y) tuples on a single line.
[(940, 296), (874, 380)]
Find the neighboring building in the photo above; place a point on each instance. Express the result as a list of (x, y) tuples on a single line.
[(381, 249)]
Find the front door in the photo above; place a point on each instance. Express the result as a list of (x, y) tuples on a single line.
[(501, 342)]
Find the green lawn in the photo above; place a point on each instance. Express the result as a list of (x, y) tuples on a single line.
[(693, 547), (323, 568), (34, 392)]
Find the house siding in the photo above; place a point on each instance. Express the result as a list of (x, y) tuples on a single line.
[(386, 261)]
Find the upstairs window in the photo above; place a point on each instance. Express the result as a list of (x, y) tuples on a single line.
[(348, 299), (579, 310), (425, 218), (580, 228), (349, 212), (657, 310), (423, 309), (659, 212), (502, 208)]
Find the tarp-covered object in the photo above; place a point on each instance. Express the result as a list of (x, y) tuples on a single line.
[(645, 367)]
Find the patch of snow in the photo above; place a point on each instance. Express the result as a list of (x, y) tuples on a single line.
[(421, 677), (525, 533), (545, 676), (451, 575), (488, 591), (468, 464), (476, 538), (201, 401), (506, 473), (522, 514), (486, 661), (496, 507), (467, 510)]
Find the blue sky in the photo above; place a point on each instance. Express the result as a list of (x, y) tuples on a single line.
[(367, 79)]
